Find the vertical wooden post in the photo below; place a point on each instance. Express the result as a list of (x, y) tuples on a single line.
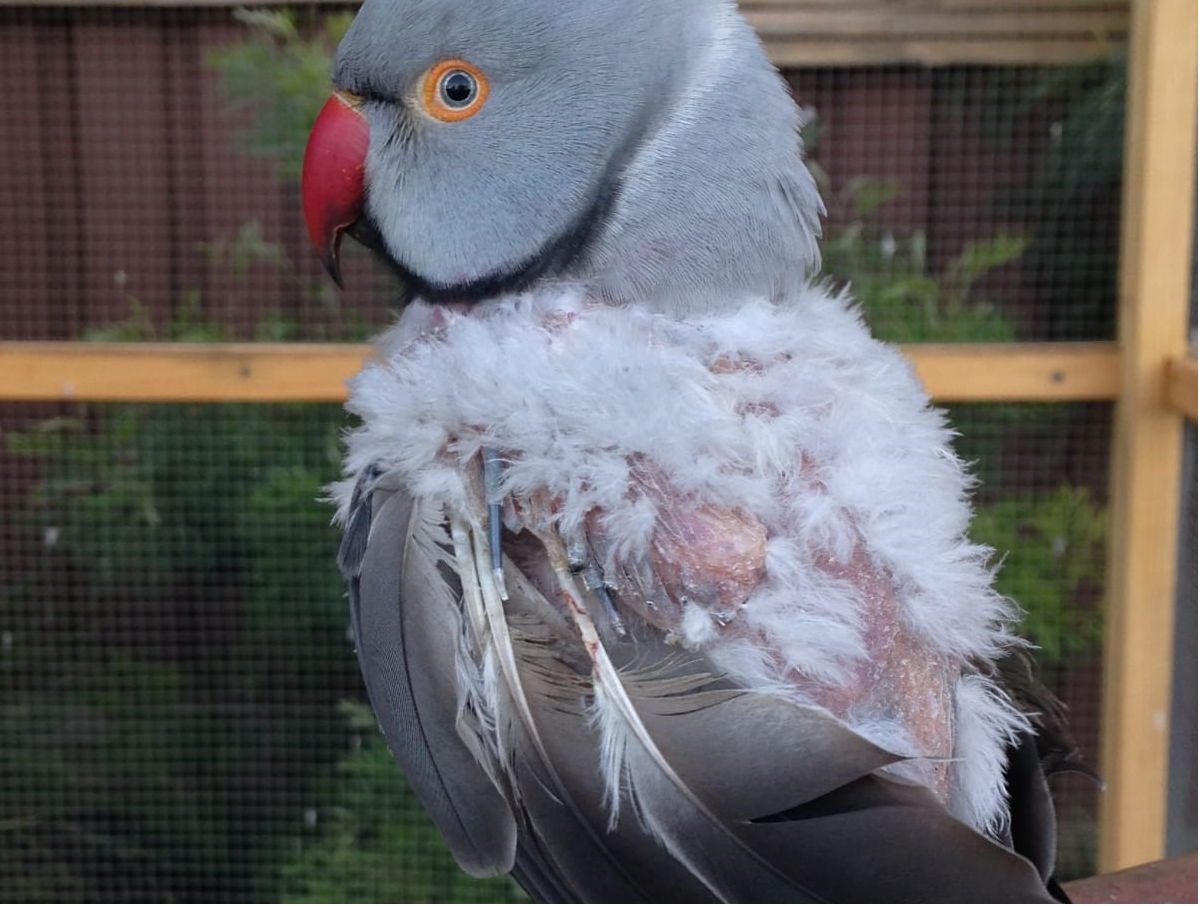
[(1156, 248)]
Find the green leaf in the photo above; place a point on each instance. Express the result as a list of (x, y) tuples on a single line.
[(1053, 551)]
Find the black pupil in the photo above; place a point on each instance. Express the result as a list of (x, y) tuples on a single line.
[(458, 88)]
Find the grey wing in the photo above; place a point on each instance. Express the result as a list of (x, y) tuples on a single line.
[(746, 798), (406, 629), (406, 651), (790, 807), (760, 799)]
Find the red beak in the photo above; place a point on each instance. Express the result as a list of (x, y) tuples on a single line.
[(332, 179)]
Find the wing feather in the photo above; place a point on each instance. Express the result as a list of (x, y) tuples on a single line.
[(634, 767), (911, 848), (538, 698), (624, 770), (406, 630)]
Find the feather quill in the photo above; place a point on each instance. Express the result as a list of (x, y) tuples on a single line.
[(407, 624), (633, 764), (561, 840)]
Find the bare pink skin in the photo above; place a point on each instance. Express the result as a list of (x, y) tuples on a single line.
[(715, 557), (899, 677), (703, 553)]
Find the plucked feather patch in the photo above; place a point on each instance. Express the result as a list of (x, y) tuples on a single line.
[(768, 486)]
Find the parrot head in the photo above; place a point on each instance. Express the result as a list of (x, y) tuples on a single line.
[(644, 149)]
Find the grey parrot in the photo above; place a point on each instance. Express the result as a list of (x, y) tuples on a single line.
[(657, 561)]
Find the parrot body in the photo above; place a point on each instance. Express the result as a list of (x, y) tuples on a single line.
[(657, 560)]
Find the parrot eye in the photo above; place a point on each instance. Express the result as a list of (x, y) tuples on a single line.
[(453, 90), (457, 89)]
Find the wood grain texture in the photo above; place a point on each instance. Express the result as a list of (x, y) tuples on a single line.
[(1181, 390), (942, 33), (872, 32), (1172, 881), (178, 372), (1156, 255), (1016, 372), (280, 372)]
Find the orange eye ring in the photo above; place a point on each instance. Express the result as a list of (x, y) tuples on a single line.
[(453, 90)]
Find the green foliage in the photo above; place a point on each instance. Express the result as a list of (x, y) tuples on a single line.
[(902, 301), (1054, 550), (98, 796), (1079, 183), (281, 77), (174, 734), (129, 500), (1070, 265), (184, 570), (247, 247), (325, 320), (373, 841), (276, 81), (1087, 155)]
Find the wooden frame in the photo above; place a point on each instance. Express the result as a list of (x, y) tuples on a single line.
[(1156, 256), (829, 33), (1181, 386), (303, 372)]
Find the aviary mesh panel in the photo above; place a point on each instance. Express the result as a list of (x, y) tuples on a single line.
[(181, 716)]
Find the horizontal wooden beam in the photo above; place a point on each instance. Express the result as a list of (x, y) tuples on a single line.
[(1015, 372), (178, 372), (812, 53), (814, 33), (839, 33), (300, 372), (1181, 389)]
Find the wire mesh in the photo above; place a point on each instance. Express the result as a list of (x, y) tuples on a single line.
[(972, 204), (180, 712)]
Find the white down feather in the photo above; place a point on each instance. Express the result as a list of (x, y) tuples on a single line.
[(740, 410)]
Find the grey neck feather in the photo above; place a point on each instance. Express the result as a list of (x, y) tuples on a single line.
[(715, 204)]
